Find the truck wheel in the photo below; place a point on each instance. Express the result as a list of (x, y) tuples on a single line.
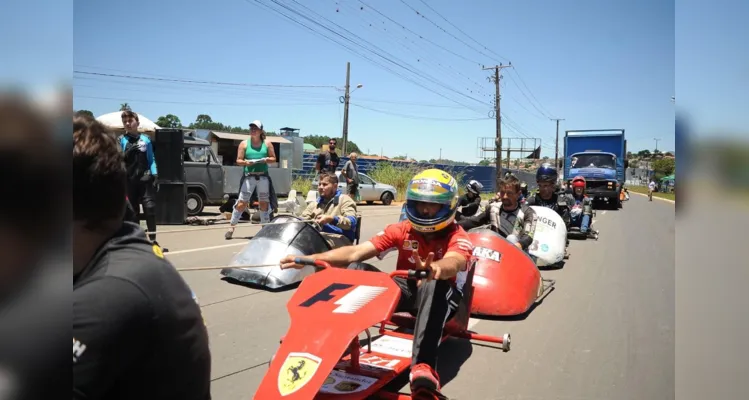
[(387, 198), (195, 203)]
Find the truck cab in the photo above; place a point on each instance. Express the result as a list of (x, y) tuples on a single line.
[(599, 171), (599, 157)]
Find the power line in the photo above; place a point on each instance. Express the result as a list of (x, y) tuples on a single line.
[(420, 36), (443, 29), (418, 117), (390, 56), (547, 114), (461, 31), (203, 82), (384, 57), (206, 103), (477, 42)]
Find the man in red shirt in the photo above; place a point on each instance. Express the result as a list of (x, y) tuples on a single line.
[(429, 239)]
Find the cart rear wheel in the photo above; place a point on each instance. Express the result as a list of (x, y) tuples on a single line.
[(506, 340)]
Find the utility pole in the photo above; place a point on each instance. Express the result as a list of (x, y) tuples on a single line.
[(556, 143), (345, 110), (498, 116), (656, 143)]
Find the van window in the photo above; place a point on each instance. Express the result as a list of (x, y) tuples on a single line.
[(198, 154)]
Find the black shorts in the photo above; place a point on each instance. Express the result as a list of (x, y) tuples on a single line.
[(352, 189)]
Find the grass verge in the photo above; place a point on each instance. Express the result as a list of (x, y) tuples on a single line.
[(644, 190), (400, 176), (302, 185), (388, 174)]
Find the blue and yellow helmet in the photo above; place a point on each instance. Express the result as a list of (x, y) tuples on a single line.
[(432, 186)]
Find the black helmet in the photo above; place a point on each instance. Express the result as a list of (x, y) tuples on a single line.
[(546, 173)]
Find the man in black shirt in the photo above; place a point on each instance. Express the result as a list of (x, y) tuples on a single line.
[(470, 203), (546, 178), (328, 161), (137, 332)]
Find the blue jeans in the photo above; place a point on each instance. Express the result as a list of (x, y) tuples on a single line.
[(582, 221)]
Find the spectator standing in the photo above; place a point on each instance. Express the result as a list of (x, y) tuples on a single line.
[(351, 174), (328, 161), (254, 154), (142, 174)]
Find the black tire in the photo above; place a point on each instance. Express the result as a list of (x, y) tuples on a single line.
[(387, 198), (195, 203)]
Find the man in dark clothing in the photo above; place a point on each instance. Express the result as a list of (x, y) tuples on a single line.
[(546, 178), (470, 202), (137, 331), (509, 218), (142, 174), (328, 161)]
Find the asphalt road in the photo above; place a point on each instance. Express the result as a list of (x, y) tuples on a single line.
[(605, 332)]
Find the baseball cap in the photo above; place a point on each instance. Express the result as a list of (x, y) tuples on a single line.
[(257, 123)]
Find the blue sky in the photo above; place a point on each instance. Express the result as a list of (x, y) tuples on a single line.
[(596, 64)]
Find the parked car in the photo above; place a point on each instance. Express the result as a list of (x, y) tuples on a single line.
[(369, 189)]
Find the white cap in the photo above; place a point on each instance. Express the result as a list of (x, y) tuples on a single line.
[(257, 123)]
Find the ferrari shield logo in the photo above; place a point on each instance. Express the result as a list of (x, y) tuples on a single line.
[(296, 371)]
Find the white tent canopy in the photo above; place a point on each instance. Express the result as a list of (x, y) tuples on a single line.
[(113, 121)]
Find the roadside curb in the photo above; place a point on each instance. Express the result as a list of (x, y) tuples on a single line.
[(655, 197)]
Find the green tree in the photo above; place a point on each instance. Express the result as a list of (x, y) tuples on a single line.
[(664, 166), (486, 163), (125, 107), (169, 121), (85, 112), (203, 119), (643, 153)]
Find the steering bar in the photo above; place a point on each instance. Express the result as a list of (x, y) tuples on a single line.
[(315, 263), (410, 274)]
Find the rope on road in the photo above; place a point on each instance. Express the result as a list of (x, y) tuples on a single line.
[(249, 224), (226, 266), (246, 225)]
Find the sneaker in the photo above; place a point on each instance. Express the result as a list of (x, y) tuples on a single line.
[(228, 235), (423, 376)]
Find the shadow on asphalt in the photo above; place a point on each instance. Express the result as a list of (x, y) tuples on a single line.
[(453, 353), (519, 317)]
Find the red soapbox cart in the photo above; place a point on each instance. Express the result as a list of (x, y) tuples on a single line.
[(321, 356), (506, 281)]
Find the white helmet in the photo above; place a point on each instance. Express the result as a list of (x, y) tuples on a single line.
[(474, 187)]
